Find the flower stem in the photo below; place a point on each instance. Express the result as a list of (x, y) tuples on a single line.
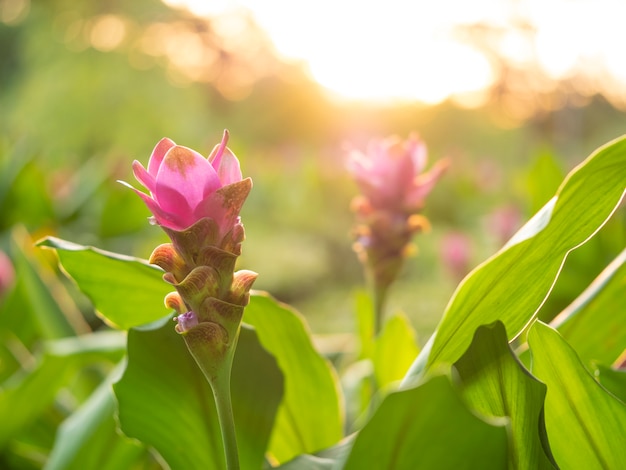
[(217, 368), (223, 402), (379, 295)]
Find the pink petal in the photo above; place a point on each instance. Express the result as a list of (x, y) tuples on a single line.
[(158, 154), (229, 171), (184, 179), (416, 148), (216, 154), (176, 206), (162, 217), (142, 175), (424, 184), (224, 205)]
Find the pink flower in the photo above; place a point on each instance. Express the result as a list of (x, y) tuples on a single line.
[(185, 187), (390, 174), (7, 273)]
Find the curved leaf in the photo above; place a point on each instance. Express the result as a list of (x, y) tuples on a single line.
[(394, 350), (126, 291), (27, 393), (310, 417), (165, 401), (89, 437), (585, 423), (614, 380), (428, 427), (594, 323), (494, 383), (513, 284)]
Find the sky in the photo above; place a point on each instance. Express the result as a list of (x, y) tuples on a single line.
[(411, 50)]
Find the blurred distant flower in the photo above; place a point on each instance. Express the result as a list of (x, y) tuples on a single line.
[(7, 273), (503, 222), (456, 254), (393, 184), (185, 187), (391, 174)]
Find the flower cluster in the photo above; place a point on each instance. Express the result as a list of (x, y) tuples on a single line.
[(196, 201), (393, 185)]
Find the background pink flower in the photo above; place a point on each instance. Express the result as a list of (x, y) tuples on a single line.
[(390, 174)]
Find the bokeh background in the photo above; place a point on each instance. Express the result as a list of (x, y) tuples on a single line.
[(513, 93)]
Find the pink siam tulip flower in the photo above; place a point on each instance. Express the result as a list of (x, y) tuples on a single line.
[(186, 187), (393, 188), (391, 174), (456, 252)]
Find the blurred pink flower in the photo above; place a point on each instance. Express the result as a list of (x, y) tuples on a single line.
[(7, 273), (503, 222), (185, 187), (456, 250), (390, 174)]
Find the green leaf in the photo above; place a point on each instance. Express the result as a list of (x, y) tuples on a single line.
[(585, 423), (494, 383), (428, 427), (613, 380), (512, 285), (332, 458), (165, 401), (394, 350), (126, 291), (89, 437), (310, 416), (365, 323), (594, 323), (38, 288), (26, 394)]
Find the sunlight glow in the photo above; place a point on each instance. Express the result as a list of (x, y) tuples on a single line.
[(399, 50)]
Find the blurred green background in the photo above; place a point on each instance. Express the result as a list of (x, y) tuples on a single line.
[(87, 87)]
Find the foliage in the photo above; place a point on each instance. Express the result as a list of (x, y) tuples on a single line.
[(469, 389), (525, 369)]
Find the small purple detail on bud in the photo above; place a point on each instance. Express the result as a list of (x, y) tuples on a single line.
[(186, 321)]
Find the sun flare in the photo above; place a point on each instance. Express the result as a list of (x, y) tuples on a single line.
[(401, 50)]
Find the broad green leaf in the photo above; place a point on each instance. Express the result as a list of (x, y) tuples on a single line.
[(512, 285), (165, 401), (365, 323), (27, 394), (394, 350), (428, 427), (89, 437), (594, 323), (613, 380), (586, 424), (494, 383), (332, 458), (126, 291), (310, 417)]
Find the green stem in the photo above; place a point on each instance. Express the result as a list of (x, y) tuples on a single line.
[(223, 402), (379, 308), (216, 365)]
